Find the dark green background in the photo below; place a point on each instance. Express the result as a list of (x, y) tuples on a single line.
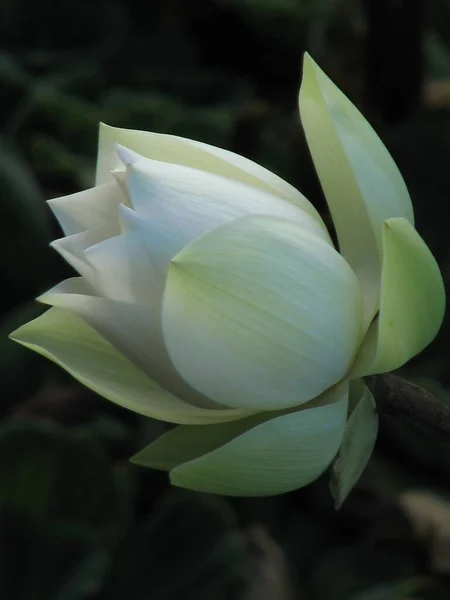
[(77, 521)]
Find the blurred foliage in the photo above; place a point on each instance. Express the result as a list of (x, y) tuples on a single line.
[(78, 522)]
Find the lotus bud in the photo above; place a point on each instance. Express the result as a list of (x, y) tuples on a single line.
[(210, 295)]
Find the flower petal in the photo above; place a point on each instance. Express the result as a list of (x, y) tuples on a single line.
[(190, 153), (254, 459), (90, 209), (72, 249), (362, 184), (68, 341), (174, 205), (132, 329), (412, 302), (183, 444), (192, 202), (358, 443), (158, 246), (135, 330), (261, 314), (123, 271)]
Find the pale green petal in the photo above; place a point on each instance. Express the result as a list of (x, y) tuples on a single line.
[(90, 209), (274, 457), (362, 184), (261, 314), (133, 329), (190, 153), (185, 443), (412, 302), (357, 445), (68, 341)]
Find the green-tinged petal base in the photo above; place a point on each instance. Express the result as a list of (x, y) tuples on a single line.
[(68, 341), (412, 302), (358, 442), (259, 456), (134, 330)]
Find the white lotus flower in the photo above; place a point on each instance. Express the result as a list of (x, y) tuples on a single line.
[(210, 295)]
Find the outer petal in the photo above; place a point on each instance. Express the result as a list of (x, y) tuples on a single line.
[(65, 339), (357, 445), (90, 209), (181, 151), (261, 314), (135, 331), (259, 456), (362, 184), (412, 302), (183, 444)]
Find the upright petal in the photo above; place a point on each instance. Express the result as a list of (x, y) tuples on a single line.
[(261, 314), (362, 184), (68, 341), (191, 202), (258, 456), (90, 209), (72, 249), (190, 153), (155, 241), (123, 271), (174, 205), (412, 302)]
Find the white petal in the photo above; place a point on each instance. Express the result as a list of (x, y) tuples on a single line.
[(182, 151), (175, 205), (127, 156), (160, 246), (185, 203), (362, 184), (91, 209), (72, 249), (261, 314), (134, 330), (123, 270), (67, 340)]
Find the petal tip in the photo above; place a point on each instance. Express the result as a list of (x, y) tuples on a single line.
[(55, 243), (14, 335), (309, 65), (127, 156), (307, 59), (105, 127), (42, 298)]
